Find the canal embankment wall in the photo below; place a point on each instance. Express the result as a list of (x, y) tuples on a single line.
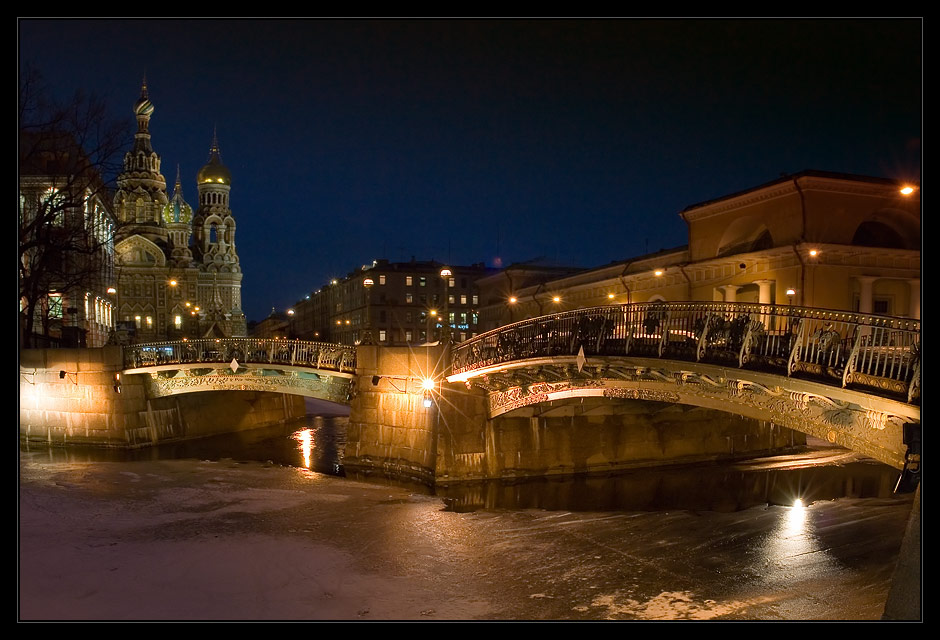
[(80, 396), (392, 431)]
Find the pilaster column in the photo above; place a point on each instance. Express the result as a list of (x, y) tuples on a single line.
[(766, 290), (865, 293), (731, 292), (914, 307)]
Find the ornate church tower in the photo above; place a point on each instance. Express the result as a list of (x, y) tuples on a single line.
[(178, 218), (141, 194), (214, 247)]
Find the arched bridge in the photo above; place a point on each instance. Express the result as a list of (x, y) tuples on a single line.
[(312, 369), (851, 378)]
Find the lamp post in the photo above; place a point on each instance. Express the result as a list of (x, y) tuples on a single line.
[(511, 303), (432, 313), (446, 274), (290, 324), (367, 330)]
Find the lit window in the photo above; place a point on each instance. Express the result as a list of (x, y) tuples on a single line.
[(409, 281), (408, 335), (381, 279), (409, 298), (137, 321), (178, 322), (55, 305), (149, 322), (381, 335), (422, 281), (476, 299), (463, 299), (451, 299), (452, 282)]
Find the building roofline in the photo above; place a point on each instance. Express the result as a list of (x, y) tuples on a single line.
[(789, 177)]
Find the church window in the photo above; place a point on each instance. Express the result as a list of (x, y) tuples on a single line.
[(178, 321)]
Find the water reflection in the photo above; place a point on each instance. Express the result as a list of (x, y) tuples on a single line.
[(716, 488), (304, 439), (316, 443)]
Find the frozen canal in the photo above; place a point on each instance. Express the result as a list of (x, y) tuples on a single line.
[(216, 537)]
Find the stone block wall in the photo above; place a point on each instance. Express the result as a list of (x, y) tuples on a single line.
[(70, 396)]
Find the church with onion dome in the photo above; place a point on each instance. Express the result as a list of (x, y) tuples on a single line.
[(177, 269)]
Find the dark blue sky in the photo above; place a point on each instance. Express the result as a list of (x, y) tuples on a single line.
[(466, 141)]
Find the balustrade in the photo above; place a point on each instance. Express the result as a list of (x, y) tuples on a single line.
[(318, 355), (877, 352)]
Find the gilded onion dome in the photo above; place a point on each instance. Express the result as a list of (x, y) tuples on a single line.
[(177, 210), (214, 172), (143, 106)]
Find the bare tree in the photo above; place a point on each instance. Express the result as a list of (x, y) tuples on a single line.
[(67, 153)]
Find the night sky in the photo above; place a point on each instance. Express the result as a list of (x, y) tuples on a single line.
[(484, 141)]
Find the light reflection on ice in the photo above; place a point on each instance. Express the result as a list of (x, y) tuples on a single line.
[(792, 550)]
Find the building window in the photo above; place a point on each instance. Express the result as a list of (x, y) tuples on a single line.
[(476, 299), (409, 298), (408, 335), (55, 305), (422, 281), (409, 281), (150, 322), (451, 299), (137, 321), (463, 298), (381, 279), (452, 282), (178, 321), (381, 335)]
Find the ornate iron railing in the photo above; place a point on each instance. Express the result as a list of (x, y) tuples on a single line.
[(877, 352), (318, 355)]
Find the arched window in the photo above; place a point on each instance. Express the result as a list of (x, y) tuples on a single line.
[(877, 234)]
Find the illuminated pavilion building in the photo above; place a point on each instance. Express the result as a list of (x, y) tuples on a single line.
[(178, 271), (815, 239)]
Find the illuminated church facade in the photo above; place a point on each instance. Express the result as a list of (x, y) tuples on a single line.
[(177, 268)]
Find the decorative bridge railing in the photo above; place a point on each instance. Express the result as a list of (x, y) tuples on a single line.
[(878, 353), (317, 355)]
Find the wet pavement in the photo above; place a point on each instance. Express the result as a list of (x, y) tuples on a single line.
[(222, 539)]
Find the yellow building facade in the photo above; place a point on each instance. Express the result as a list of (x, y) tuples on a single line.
[(814, 239)]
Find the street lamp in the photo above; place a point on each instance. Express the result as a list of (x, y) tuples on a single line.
[(432, 313), (290, 323), (446, 274), (790, 293)]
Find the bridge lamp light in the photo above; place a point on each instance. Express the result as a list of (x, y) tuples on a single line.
[(907, 190), (658, 273), (556, 299), (111, 291), (790, 293), (610, 296), (814, 252), (513, 300), (427, 384), (173, 283), (446, 273)]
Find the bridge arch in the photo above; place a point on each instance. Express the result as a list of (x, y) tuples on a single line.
[(849, 378), (311, 369)]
